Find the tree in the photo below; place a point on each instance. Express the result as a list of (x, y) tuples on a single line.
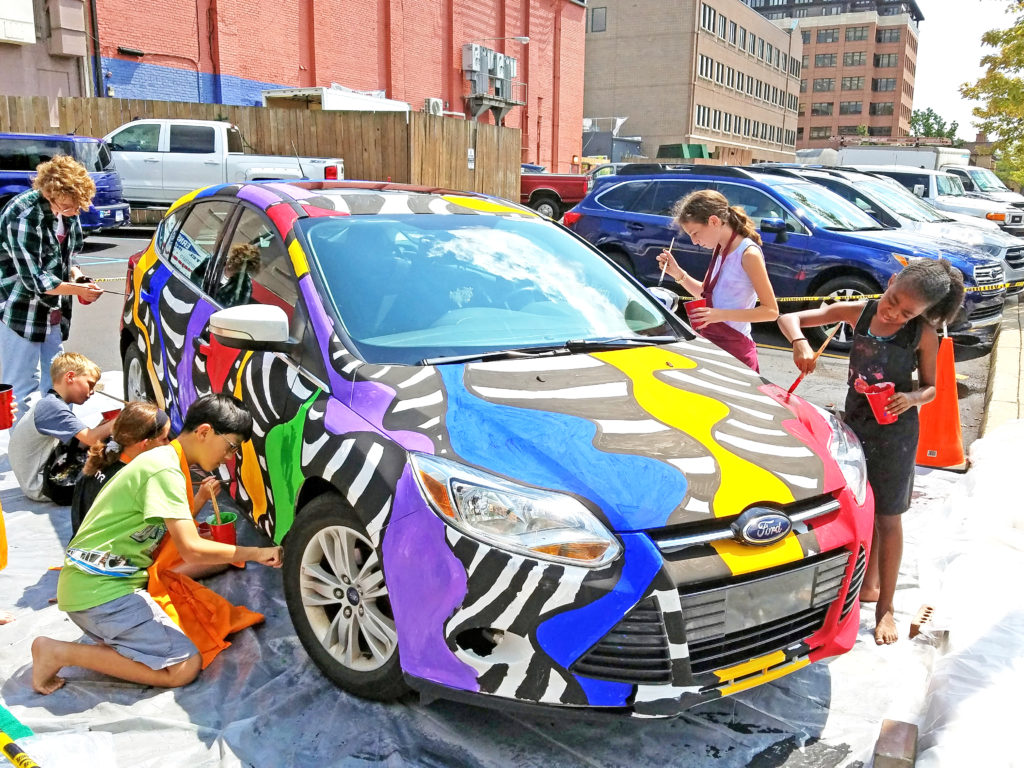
[(927, 122), (862, 130), (1001, 89)]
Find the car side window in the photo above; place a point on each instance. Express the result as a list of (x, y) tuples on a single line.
[(192, 139), (196, 243), (137, 138), (759, 205), (668, 192), (909, 180), (256, 267), (165, 232), (622, 197)]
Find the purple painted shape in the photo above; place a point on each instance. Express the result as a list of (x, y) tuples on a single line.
[(295, 192), (322, 327), (258, 195), (196, 322), (340, 419), (426, 583)]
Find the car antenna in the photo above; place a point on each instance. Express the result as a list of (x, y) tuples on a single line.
[(297, 160)]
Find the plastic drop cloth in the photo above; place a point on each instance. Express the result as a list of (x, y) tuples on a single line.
[(263, 703)]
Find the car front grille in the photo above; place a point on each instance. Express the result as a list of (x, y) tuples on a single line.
[(1015, 257), (855, 583), (1015, 219), (992, 275), (986, 313), (634, 651)]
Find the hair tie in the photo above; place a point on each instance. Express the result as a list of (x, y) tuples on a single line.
[(112, 446)]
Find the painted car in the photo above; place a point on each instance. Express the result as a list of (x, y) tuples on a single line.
[(497, 473)]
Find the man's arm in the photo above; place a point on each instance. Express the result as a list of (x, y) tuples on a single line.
[(195, 550)]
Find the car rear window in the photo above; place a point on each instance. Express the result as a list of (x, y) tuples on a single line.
[(24, 154), (622, 197)]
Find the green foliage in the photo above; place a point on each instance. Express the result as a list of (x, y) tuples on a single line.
[(927, 122), (862, 130)]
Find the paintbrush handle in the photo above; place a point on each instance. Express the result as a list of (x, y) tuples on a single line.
[(216, 509)]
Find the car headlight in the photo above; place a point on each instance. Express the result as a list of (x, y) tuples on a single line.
[(542, 524), (846, 449), (993, 250)]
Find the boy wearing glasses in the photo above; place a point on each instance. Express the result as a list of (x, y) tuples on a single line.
[(50, 441), (102, 585)]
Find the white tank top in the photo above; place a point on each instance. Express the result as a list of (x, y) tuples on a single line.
[(734, 289)]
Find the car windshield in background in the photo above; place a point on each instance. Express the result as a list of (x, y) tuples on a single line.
[(986, 181), (409, 287), (899, 200), (947, 184), (826, 209)]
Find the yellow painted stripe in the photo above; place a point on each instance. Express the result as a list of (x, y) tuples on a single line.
[(486, 206), (767, 677), (759, 664), (186, 199), (299, 263), (742, 482), (744, 558), (250, 475), (145, 262)]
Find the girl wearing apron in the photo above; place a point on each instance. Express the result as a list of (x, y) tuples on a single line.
[(736, 280), (893, 336)]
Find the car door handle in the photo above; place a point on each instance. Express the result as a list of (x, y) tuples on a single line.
[(151, 160), (211, 162), (634, 226)]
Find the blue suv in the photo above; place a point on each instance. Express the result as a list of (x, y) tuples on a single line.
[(815, 242), (20, 153)]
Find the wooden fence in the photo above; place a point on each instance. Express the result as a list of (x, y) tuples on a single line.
[(410, 148)]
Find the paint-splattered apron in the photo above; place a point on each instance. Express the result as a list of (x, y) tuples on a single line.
[(890, 449), (740, 346)]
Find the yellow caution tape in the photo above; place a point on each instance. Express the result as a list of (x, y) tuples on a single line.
[(862, 296)]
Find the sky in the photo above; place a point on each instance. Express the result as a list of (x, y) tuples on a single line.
[(949, 52)]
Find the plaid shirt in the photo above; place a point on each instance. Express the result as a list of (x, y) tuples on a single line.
[(33, 262)]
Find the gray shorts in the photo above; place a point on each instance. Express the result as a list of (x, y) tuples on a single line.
[(137, 628)]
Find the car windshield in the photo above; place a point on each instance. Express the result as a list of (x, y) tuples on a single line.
[(986, 181), (409, 287), (948, 184), (897, 199), (825, 208)]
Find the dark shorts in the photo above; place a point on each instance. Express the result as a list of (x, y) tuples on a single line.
[(138, 629)]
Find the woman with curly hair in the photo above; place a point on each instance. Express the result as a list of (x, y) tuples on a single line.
[(40, 235)]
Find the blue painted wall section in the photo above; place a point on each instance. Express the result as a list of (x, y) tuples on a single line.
[(139, 80)]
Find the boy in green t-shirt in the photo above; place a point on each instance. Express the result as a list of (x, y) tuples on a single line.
[(102, 585)]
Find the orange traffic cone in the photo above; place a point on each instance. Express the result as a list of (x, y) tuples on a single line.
[(940, 443)]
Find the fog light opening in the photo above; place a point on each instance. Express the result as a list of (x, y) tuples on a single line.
[(482, 640)]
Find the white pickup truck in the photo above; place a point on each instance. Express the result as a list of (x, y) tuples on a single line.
[(161, 160)]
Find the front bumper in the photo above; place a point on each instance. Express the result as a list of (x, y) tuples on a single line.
[(105, 217)]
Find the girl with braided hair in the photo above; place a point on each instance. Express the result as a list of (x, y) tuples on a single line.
[(736, 286)]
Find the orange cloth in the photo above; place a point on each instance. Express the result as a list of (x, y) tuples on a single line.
[(203, 615)]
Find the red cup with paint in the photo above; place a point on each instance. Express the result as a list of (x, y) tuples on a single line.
[(690, 306), (878, 395), (224, 532), (6, 399), (108, 415)]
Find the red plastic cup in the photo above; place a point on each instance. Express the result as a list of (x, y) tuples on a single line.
[(690, 306), (225, 532), (878, 395), (108, 415), (6, 398)]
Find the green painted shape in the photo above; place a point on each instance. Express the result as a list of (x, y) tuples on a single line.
[(284, 465)]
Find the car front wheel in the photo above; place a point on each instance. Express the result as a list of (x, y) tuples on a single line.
[(136, 380), (338, 600), (547, 206), (849, 288)]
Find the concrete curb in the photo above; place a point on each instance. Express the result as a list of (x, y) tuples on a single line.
[(1005, 389)]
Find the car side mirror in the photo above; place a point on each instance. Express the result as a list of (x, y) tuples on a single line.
[(778, 226), (252, 327), (968, 184), (919, 190), (665, 296)]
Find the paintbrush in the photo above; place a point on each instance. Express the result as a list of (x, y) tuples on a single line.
[(816, 354), (665, 265), (216, 509)]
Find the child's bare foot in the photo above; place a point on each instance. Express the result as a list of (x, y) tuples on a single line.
[(6, 617), (869, 594), (885, 630), (45, 666)]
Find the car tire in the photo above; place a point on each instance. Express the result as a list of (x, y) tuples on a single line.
[(621, 258), (848, 285), (137, 385), (546, 205), (319, 591)]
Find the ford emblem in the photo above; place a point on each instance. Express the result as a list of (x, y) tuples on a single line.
[(761, 526)]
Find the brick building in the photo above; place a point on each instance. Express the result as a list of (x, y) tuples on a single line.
[(859, 64), (710, 72)]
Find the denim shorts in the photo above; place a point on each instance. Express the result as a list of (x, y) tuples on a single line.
[(138, 629)]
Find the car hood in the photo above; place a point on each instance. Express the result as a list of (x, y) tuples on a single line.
[(967, 234), (646, 437), (974, 204), (921, 245)]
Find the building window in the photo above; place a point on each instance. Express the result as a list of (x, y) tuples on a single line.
[(886, 59), (847, 130), (888, 35), (802, 109), (707, 17), (880, 130), (740, 81), (820, 108), (821, 132), (723, 25), (741, 43), (752, 44), (824, 60), (880, 108), (803, 86), (805, 35), (856, 33), (598, 19), (830, 35), (799, 13), (850, 107), (806, 60), (824, 84), (853, 83), (732, 32), (799, 134), (883, 84), (855, 59)]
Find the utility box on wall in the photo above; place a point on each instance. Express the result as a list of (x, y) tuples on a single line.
[(67, 27), (17, 24)]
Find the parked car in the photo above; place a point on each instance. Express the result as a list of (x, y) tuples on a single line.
[(982, 182), (161, 160), (552, 193), (892, 205), (449, 393), (815, 243), (945, 192), (20, 153)]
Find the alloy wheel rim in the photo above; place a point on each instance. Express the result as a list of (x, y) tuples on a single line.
[(346, 600), (134, 385), (845, 334)]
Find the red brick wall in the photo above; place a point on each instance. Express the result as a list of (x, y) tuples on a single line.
[(410, 50)]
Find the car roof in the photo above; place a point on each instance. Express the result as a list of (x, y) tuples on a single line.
[(44, 136), (898, 169)]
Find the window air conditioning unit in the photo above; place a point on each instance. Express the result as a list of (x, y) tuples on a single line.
[(433, 106)]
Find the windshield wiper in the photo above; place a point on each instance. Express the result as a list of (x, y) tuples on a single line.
[(573, 345), (619, 342)]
